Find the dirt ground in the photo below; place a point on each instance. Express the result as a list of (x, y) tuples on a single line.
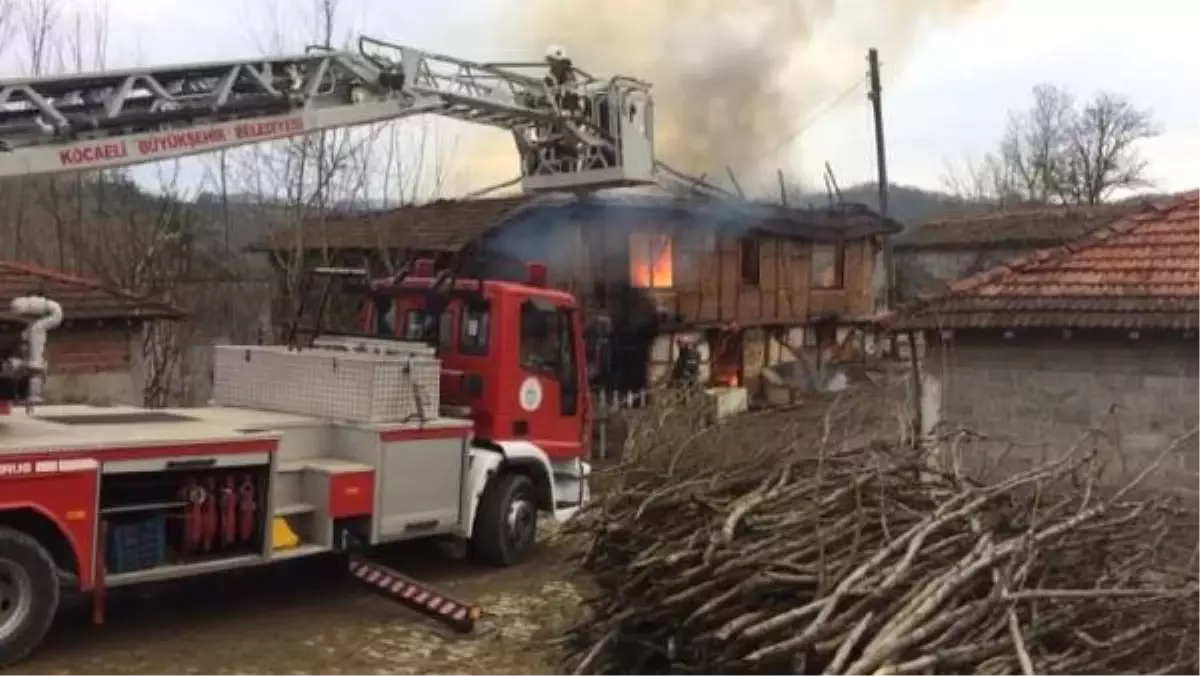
[(308, 617)]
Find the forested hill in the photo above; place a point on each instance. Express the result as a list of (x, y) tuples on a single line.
[(909, 205)]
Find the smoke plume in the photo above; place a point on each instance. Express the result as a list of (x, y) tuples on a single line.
[(732, 80)]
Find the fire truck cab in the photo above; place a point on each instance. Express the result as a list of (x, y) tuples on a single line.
[(458, 410), (512, 354)]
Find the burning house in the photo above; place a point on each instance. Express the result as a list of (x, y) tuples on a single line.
[(738, 285)]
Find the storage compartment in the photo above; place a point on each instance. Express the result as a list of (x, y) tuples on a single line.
[(333, 382), (309, 495), (351, 494), (296, 531), (420, 485), (183, 517)]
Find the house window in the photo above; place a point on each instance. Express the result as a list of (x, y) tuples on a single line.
[(650, 261), (828, 261), (749, 261)]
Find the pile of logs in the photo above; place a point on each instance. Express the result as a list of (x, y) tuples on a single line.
[(809, 542)]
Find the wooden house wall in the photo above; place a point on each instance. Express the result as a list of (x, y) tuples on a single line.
[(593, 262), (713, 289)]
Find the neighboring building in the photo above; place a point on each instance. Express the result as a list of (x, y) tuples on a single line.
[(95, 356), (934, 254), (1036, 352), (743, 278)]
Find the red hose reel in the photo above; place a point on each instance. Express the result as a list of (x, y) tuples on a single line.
[(248, 508), (220, 512), (193, 533)]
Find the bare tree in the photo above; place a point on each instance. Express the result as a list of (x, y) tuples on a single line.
[(39, 23), (1102, 155), (32, 28), (990, 180), (1057, 151), (1035, 145), (8, 19), (102, 224), (298, 184), (294, 182)]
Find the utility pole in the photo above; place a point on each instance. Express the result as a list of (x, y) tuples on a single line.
[(876, 97)]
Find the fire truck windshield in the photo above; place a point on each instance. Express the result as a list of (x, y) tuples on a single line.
[(462, 326)]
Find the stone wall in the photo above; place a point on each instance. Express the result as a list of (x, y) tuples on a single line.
[(1035, 400)]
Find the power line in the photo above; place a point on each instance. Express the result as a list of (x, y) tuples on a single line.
[(814, 118)]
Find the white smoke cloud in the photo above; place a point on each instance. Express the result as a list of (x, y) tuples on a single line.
[(732, 81)]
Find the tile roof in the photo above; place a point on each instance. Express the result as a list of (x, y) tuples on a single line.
[(1022, 227), (80, 298), (1141, 272), (449, 225)]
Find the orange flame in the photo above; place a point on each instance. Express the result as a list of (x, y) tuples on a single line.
[(726, 379), (650, 261)]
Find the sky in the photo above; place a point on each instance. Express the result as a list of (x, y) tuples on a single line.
[(949, 76)]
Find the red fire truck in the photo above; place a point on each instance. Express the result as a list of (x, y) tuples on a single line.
[(460, 409)]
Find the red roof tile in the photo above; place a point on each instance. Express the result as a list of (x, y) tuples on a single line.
[(80, 298), (1140, 272)]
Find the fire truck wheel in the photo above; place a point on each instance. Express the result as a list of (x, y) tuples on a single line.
[(506, 522), (28, 594)]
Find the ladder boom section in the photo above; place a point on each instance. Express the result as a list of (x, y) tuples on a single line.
[(571, 133)]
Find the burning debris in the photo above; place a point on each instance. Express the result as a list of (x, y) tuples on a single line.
[(808, 542)]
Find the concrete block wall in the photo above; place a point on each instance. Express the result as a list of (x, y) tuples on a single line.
[(1037, 400)]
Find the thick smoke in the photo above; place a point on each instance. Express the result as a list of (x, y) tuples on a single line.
[(732, 80)]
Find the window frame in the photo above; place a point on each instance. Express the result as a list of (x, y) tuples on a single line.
[(480, 345), (549, 368), (642, 246), (408, 334), (750, 261), (445, 337), (446, 329), (839, 266), (383, 316)]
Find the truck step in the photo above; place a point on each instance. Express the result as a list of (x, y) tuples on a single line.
[(294, 509), (321, 464), (299, 551), (421, 597)]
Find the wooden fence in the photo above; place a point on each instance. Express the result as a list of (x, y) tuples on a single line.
[(609, 405)]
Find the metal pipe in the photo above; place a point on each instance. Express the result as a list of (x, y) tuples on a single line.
[(49, 316)]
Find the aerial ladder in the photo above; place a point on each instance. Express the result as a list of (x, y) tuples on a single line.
[(573, 131)]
